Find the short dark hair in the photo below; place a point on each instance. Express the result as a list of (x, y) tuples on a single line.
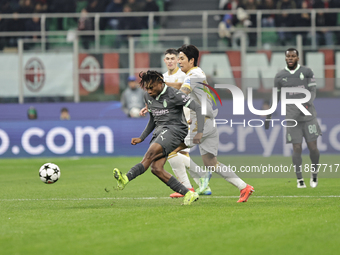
[(171, 51), (190, 51), (64, 109), (150, 77), (292, 49)]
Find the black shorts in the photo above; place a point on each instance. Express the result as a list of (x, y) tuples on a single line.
[(169, 138)]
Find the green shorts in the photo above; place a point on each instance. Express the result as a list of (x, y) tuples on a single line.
[(310, 130)]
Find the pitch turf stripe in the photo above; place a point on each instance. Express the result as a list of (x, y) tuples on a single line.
[(151, 198)]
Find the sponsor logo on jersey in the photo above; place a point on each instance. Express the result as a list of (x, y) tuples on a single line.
[(149, 101), (284, 79), (159, 112), (187, 81)]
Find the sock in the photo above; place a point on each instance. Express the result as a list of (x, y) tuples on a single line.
[(179, 170), (195, 171), (135, 171), (297, 161), (186, 160), (314, 157), (176, 186), (230, 176)]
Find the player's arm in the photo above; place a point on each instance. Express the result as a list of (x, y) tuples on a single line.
[(185, 100), (278, 86), (176, 85), (311, 88), (148, 129)]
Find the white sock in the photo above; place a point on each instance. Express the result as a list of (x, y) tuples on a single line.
[(230, 176), (179, 170), (187, 161)]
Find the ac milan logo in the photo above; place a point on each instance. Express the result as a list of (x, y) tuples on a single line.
[(90, 76), (34, 74)]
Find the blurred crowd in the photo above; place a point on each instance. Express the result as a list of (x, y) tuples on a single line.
[(229, 23), (71, 6)]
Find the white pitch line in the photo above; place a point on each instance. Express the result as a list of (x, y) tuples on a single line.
[(152, 198)]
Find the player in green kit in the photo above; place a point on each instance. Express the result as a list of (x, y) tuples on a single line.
[(165, 105), (296, 76)]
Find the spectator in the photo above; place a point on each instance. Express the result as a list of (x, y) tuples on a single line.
[(304, 20), (134, 5), (32, 113), (226, 28), (285, 20), (150, 6), (26, 6), (268, 20), (85, 24), (128, 23), (35, 26), (62, 6), (132, 98), (114, 6), (325, 37), (64, 114), (95, 6), (15, 25), (41, 6), (251, 5)]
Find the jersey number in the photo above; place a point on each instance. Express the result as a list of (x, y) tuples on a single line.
[(312, 129)]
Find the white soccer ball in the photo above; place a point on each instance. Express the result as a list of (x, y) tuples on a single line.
[(49, 173), (134, 112)]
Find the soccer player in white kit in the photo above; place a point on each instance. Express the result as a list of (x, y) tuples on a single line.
[(194, 85), (180, 161)]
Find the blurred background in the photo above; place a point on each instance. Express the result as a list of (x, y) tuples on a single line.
[(69, 68)]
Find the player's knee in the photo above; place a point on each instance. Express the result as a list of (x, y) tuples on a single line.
[(297, 148), (156, 170)]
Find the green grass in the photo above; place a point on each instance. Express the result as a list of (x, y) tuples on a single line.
[(77, 216)]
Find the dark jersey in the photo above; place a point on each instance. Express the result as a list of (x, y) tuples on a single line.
[(166, 111), (301, 77)]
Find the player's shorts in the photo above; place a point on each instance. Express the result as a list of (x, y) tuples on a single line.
[(169, 138), (310, 130), (209, 141)]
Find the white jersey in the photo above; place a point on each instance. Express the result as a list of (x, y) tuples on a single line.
[(177, 76), (195, 81)]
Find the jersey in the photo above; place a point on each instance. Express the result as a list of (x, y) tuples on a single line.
[(177, 76), (301, 77), (194, 80), (167, 108)]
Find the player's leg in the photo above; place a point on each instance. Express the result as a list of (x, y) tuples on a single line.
[(157, 168), (294, 135), (154, 152), (196, 172), (297, 162), (179, 170), (311, 133), (314, 155)]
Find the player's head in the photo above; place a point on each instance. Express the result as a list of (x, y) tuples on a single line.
[(170, 59), (187, 57), (152, 82), (292, 58)]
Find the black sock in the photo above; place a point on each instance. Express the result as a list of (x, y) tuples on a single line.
[(297, 161), (135, 171), (314, 157), (176, 186)]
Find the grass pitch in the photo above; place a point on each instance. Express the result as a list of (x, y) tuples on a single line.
[(77, 216)]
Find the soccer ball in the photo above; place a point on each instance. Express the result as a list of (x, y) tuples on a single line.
[(49, 173), (134, 112)]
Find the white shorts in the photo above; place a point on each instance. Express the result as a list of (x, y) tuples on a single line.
[(209, 141)]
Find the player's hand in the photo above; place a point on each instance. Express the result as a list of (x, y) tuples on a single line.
[(197, 138), (135, 141), (267, 122), (143, 111)]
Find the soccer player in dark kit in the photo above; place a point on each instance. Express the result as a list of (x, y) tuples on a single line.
[(296, 76), (165, 106)]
